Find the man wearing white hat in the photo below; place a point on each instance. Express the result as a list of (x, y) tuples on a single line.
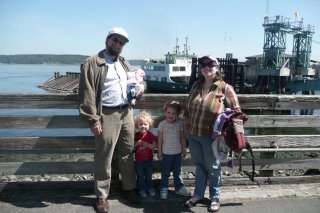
[(103, 103)]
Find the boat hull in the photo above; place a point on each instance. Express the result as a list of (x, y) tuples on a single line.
[(166, 87)]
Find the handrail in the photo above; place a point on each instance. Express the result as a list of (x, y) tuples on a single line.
[(151, 101)]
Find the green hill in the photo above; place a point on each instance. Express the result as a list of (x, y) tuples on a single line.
[(42, 59)]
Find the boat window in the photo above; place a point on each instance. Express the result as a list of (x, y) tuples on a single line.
[(176, 69), (154, 68), (148, 77), (163, 79), (158, 68)]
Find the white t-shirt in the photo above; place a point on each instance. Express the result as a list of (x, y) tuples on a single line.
[(114, 91)]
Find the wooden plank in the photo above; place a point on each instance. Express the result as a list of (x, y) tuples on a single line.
[(47, 151), (82, 142), (38, 168), (284, 141), (152, 101), (257, 101), (86, 167), (274, 121), (298, 102), (260, 164), (283, 163), (76, 142), (55, 121), (74, 121), (38, 101)]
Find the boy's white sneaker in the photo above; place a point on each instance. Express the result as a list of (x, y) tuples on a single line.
[(163, 193)]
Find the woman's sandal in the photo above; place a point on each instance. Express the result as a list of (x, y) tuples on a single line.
[(189, 203), (214, 206)]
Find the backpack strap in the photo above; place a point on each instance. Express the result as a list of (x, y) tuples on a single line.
[(251, 177)]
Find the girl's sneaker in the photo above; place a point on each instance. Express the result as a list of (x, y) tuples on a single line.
[(143, 194), (163, 193), (183, 191)]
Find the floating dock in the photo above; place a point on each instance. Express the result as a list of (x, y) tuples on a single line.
[(68, 83)]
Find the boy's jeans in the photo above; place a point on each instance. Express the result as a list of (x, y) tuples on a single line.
[(144, 175), (171, 163)]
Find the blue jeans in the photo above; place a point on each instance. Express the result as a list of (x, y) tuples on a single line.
[(171, 163), (208, 168), (144, 175)]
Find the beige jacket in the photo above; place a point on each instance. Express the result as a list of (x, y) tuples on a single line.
[(93, 73)]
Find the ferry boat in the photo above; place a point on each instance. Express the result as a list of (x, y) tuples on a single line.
[(171, 75)]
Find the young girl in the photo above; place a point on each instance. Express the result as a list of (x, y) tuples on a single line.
[(171, 145), (145, 143)]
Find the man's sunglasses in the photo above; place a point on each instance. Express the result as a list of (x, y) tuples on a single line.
[(116, 40), (209, 64)]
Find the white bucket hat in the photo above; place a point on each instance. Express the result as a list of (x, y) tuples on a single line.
[(220, 149)]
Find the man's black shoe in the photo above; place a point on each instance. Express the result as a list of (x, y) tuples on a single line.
[(131, 196)]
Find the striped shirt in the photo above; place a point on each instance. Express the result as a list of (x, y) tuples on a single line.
[(202, 109), (171, 144)]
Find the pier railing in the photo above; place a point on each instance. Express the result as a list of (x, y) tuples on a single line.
[(35, 126)]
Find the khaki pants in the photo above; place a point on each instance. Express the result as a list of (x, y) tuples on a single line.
[(117, 130)]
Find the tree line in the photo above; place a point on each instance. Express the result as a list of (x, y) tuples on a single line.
[(42, 59), (51, 59)]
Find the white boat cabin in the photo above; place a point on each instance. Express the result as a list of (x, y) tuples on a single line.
[(176, 68)]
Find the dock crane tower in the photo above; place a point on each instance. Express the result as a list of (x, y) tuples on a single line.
[(276, 68), (301, 52)]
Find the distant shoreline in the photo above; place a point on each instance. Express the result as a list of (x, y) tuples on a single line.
[(42, 59), (40, 64), (50, 59)]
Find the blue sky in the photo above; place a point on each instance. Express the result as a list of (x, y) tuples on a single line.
[(213, 27)]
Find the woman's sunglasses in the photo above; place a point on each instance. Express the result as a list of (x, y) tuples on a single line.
[(209, 64)]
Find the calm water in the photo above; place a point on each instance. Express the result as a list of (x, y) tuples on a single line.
[(25, 78)]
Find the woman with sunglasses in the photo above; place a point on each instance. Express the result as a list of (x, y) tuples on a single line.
[(208, 97)]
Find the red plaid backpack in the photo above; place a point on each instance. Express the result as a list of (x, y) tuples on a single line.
[(233, 133)]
